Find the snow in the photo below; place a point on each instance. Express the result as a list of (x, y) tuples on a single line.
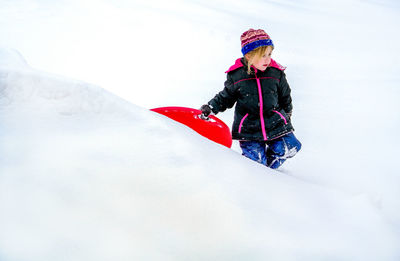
[(87, 172)]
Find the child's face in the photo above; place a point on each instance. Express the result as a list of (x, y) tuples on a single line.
[(263, 62)]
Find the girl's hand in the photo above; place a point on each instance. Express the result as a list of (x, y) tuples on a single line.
[(205, 110)]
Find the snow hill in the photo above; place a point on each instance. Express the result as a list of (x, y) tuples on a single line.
[(89, 173), (86, 175)]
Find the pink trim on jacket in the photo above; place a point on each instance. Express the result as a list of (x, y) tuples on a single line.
[(276, 65), (255, 78), (280, 114), (241, 122), (238, 64)]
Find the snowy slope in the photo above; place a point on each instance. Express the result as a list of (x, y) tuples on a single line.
[(182, 197), (87, 176)]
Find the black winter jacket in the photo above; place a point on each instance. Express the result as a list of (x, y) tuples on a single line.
[(262, 100)]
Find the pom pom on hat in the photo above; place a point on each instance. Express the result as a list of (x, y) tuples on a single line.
[(252, 39)]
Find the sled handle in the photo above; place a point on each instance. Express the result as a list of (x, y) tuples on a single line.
[(203, 117)]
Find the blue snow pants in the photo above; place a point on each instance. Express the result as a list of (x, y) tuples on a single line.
[(271, 153)]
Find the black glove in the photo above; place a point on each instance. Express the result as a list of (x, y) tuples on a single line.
[(205, 110)]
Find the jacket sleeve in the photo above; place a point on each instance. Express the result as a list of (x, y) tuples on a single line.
[(284, 97), (225, 98)]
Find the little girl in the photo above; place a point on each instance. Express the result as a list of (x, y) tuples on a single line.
[(258, 86)]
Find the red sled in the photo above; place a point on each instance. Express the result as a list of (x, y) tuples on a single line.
[(212, 128)]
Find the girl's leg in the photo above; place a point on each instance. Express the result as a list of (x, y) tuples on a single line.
[(281, 149), (254, 150)]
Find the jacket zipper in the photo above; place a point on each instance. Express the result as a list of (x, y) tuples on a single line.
[(260, 97)]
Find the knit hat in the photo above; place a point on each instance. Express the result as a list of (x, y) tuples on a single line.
[(252, 39)]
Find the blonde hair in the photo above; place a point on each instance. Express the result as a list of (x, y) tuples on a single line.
[(255, 55)]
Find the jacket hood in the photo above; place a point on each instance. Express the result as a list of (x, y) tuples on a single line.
[(239, 63)]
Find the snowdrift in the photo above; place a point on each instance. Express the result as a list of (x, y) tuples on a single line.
[(85, 175)]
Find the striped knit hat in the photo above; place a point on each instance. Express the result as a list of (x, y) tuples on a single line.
[(252, 39)]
